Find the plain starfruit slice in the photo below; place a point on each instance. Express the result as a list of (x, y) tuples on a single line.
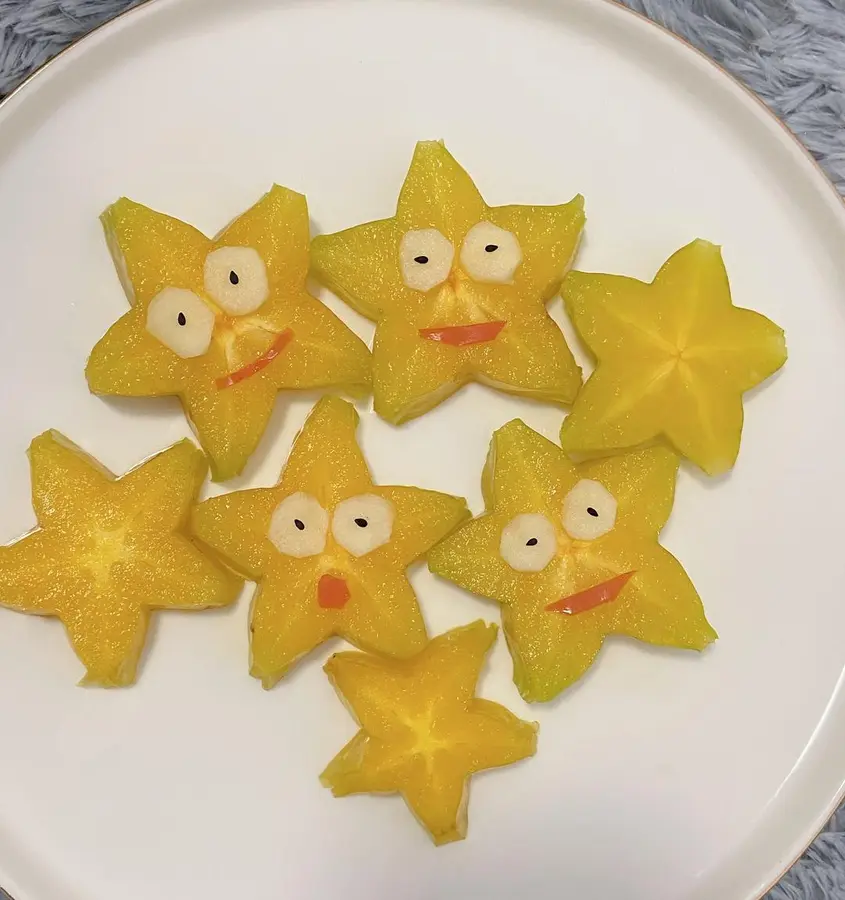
[(107, 551), (423, 732), (674, 358)]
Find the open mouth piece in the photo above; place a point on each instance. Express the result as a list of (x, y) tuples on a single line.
[(332, 592), (279, 344), (463, 335), (594, 596)]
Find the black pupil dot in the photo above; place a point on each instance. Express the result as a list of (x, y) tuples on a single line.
[(299, 524), (531, 542), (422, 260), (233, 277), (361, 523), (491, 248), (181, 319), (592, 512)]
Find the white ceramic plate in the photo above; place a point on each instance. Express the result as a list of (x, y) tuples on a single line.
[(664, 775)]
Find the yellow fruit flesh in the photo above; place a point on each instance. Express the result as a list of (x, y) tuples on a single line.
[(526, 473), (412, 374), (673, 359), (423, 732), (152, 252), (381, 613), (108, 551)]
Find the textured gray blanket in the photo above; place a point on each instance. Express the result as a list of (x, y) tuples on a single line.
[(791, 52)]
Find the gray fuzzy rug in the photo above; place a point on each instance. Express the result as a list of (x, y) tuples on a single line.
[(791, 52)]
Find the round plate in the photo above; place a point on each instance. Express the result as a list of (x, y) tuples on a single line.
[(664, 774)]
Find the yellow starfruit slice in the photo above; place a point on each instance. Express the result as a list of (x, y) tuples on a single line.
[(328, 548), (107, 551), (423, 730), (571, 553), (223, 323), (674, 358), (458, 290)]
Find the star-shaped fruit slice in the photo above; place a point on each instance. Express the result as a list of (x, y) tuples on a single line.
[(223, 323), (572, 554), (423, 730), (674, 358), (328, 548), (107, 551), (458, 290)]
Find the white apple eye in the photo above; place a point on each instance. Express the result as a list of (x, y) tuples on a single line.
[(426, 258), (589, 511), (298, 526), (181, 321), (236, 278), (363, 523), (528, 542), (490, 254)]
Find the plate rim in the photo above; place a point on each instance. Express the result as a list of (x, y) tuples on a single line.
[(144, 6)]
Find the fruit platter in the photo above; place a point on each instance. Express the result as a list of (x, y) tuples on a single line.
[(379, 471)]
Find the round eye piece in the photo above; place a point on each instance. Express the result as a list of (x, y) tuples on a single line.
[(236, 279), (298, 526), (363, 523), (181, 321), (490, 254), (528, 542), (589, 511), (425, 257)]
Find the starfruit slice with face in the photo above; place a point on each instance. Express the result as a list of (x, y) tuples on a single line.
[(328, 548), (223, 323), (423, 732), (458, 290), (674, 358), (108, 551), (571, 553)]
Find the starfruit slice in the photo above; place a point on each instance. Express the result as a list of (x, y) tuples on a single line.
[(223, 323), (107, 551), (571, 553), (674, 359), (328, 548), (458, 290), (423, 730)]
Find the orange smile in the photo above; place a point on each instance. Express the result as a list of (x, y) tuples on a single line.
[(583, 601), (463, 335), (279, 344)]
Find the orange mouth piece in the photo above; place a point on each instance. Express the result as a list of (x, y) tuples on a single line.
[(594, 596), (282, 340), (332, 592), (463, 335)]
